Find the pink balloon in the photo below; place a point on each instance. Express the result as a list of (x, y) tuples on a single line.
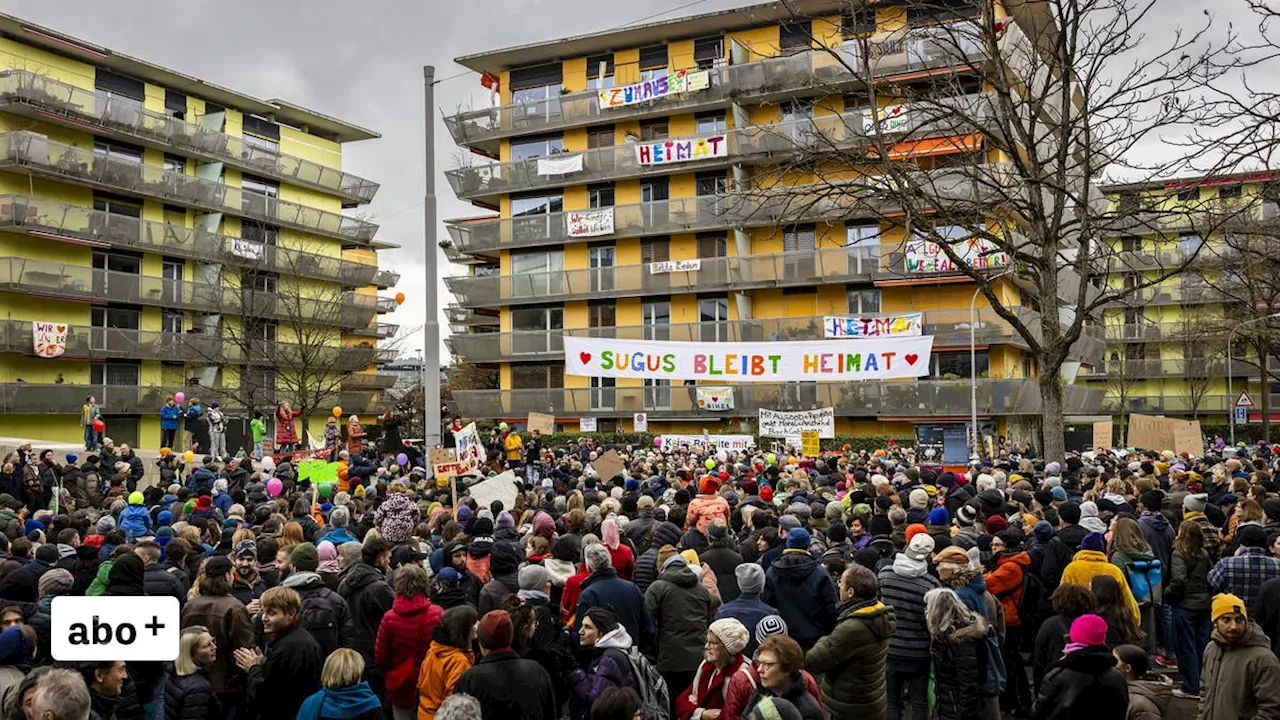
[(274, 487), (657, 442), (179, 397)]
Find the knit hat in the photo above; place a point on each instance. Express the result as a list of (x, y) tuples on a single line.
[(135, 498), (603, 618), (305, 557), (996, 523), (731, 633), (967, 515), (55, 582), (918, 498), (939, 516), (105, 524), (880, 526), (1223, 604), (1093, 541), (1089, 629), (533, 577), (750, 578), (1043, 531), (766, 494), (913, 530), (1252, 536), (1195, 503), (1059, 494), (203, 503), (246, 548), (770, 625), (674, 561), (708, 485), (495, 631), (448, 575), (920, 547), (798, 539), (1069, 512), (505, 521)]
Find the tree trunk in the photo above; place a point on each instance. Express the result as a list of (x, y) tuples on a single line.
[(1264, 352), (1053, 424)]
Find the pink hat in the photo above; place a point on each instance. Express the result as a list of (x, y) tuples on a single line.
[(1089, 630)]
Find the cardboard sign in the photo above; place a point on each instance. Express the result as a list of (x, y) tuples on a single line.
[(587, 424), (441, 455), (499, 487), (449, 469), (609, 464), (1187, 438), (1149, 432), (1102, 434), (543, 423), (811, 442)]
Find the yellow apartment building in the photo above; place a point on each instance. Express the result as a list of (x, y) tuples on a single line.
[(609, 165), (162, 234)]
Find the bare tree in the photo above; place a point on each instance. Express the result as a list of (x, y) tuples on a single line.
[(987, 161), (1203, 338), (1124, 366)]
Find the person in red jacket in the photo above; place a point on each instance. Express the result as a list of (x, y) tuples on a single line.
[(620, 556), (705, 697), (404, 637), (1009, 562)]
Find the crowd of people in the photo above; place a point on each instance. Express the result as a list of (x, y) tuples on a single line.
[(696, 584)]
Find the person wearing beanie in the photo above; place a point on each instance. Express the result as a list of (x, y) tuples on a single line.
[(1009, 563), (722, 560), (603, 588), (939, 527), (996, 524), (1085, 682), (1069, 530), (1091, 561), (609, 648), (505, 684), (1193, 507), (903, 585), (647, 565), (722, 665), (135, 521), (850, 662), (1244, 573), (304, 561), (970, 528), (802, 590), (681, 609), (1241, 676), (748, 608)]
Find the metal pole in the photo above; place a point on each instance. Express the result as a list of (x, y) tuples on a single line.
[(431, 329), (973, 371)]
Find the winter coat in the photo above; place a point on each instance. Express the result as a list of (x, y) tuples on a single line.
[(960, 670), (134, 521), (369, 597), (441, 667), (190, 697), (1084, 685), (286, 434), (1212, 541), (709, 688), (1005, 582), (850, 661), (749, 610), (246, 590), (798, 694), (397, 517), (622, 560), (308, 584), (87, 491), (158, 581), (498, 587), (403, 639), (903, 587), (1051, 638), (741, 693), (1159, 534), (605, 589), (510, 687), (1149, 697), (610, 668), (681, 610), (1090, 563), (804, 594), (723, 562), (169, 415), (231, 627), (1188, 586), (288, 676), (705, 508), (646, 570), (1240, 681)]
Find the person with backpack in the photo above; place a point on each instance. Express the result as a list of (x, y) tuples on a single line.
[(959, 651), (681, 609), (369, 596), (1142, 570), (902, 586), (610, 645), (1190, 601), (404, 637), (1091, 561), (1009, 581), (324, 613)]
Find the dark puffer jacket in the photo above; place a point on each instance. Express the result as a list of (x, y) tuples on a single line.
[(960, 670), (190, 697), (849, 662), (1084, 684), (804, 594), (681, 610), (646, 570)]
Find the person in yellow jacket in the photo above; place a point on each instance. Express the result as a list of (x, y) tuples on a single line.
[(514, 447), (1090, 561)]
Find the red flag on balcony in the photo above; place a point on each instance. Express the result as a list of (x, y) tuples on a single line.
[(490, 81)]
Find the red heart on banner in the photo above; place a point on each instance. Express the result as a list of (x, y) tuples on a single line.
[(585, 357), (715, 399), (912, 358)]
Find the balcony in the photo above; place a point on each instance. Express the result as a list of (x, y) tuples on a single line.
[(1224, 290), (77, 282), (1172, 258), (44, 98), (386, 305), (762, 143), (888, 399), (368, 381), (385, 279), (25, 152), (32, 399), (823, 72), (1140, 370), (1186, 405), (41, 217), (831, 265), (379, 330)]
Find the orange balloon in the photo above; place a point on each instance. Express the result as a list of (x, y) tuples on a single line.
[(399, 298), (164, 452), (337, 411)]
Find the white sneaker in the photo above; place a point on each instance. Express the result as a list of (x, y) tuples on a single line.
[(1180, 693)]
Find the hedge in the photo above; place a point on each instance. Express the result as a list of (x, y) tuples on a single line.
[(645, 440)]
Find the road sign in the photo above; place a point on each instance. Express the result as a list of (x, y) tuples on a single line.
[(1244, 400), (1242, 414)]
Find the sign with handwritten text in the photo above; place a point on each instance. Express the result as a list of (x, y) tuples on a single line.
[(589, 223), (678, 150), (822, 360), (673, 83), (658, 267), (715, 399), (49, 339), (904, 325), (776, 423), (719, 442), (923, 256)]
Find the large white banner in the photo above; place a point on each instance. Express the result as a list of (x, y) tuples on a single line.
[(821, 360), (589, 223), (560, 164), (776, 423), (865, 327), (719, 442), (682, 150)]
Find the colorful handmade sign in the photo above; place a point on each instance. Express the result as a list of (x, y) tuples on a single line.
[(682, 150), (50, 339), (719, 442), (905, 325), (471, 452), (890, 119), (776, 423), (923, 256), (821, 360), (589, 223), (680, 81), (715, 399)]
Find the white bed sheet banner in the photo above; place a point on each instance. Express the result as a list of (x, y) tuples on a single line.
[(780, 424), (719, 442), (815, 360), (560, 164)]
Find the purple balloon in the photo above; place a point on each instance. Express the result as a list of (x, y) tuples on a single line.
[(402, 459), (274, 487)]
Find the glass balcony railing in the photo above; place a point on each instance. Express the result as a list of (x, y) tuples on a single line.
[(386, 305), (1222, 290), (52, 100), (33, 399), (1175, 404), (384, 278), (830, 265), (1138, 370), (824, 71), (29, 214), (368, 381), (914, 399), (28, 151), (77, 282), (377, 329), (821, 134), (1172, 258)]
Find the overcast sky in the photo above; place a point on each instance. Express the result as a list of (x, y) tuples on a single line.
[(363, 62)]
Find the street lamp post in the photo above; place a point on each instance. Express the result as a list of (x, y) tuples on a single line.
[(1231, 414), (973, 361)]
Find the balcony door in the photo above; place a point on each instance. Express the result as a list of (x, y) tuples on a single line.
[(115, 330), (800, 244), (536, 330), (713, 316), (604, 396), (656, 319), (171, 272), (117, 276), (655, 194), (536, 217), (537, 274), (602, 259)]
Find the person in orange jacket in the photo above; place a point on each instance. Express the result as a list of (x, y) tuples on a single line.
[(447, 659)]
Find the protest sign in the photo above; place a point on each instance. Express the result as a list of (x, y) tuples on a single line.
[(589, 223), (776, 423), (608, 464), (665, 152), (811, 446), (1102, 430), (906, 324), (470, 450), (718, 442), (499, 487), (49, 339), (675, 82), (715, 399), (441, 455), (543, 423)]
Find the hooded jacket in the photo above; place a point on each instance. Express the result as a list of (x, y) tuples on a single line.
[(705, 508), (1159, 534), (1083, 684), (1149, 697), (804, 594), (441, 667), (403, 640), (369, 597), (504, 567), (604, 588), (849, 662), (902, 586), (1005, 582), (646, 569), (609, 669), (231, 627), (308, 584), (353, 702), (1241, 680), (960, 671), (681, 610), (1090, 563)]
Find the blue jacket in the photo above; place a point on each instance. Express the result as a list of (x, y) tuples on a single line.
[(358, 467), (223, 502), (337, 536), (804, 594), (974, 595), (169, 415), (193, 417), (604, 588), (749, 610), (134, 521), (202, 480)]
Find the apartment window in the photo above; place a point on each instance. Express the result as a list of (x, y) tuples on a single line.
[(1189, 244), (653, 130), (537, 261), (712, 245), (117, 261), (602, 136), (863, 301), (799, 109), (602, 259), (537, 204), (655, 250), (261, 282), (708, 52), (600, 196), (1189, 195), (957, 364), (655, 189), (656, 313), (259, 232), (532, 84), (260, 186), (1131, 243), (602, 314), (116, 318), (526, 148), (116, 205), (264, 331), (175, 104), (799, 238), (653, 61), (108, 150), (536, 377), (115, 373), (175, 164), (537, 318), (858, 22), (600, 71), (705, 123), (863, 241), (713, 313), (716, 183), (1128, 203), (795, 37), (258, 145), (171, 321), (657, 394), (603, 394), (1230, 191), (922, 11)]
